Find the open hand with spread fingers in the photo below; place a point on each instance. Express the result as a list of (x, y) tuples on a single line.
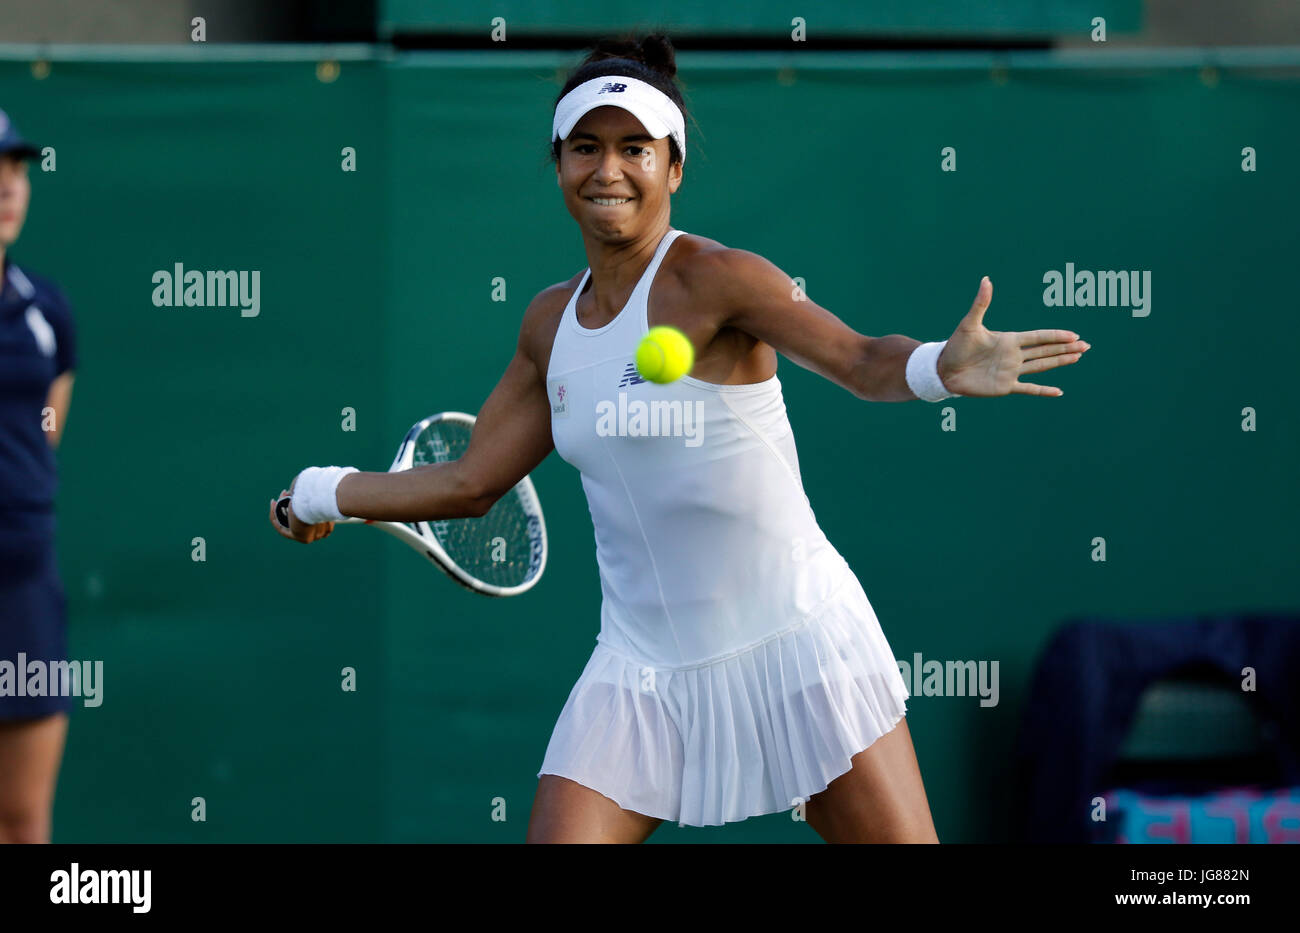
[(980, 362)]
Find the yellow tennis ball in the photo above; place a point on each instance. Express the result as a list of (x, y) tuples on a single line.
[(664, 355)]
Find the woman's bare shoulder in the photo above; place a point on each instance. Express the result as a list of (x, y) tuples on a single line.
[(548, 304), (692, 244), (542, 320), (706, 269)]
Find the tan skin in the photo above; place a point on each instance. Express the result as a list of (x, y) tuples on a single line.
[(31, 750), (739, 312)]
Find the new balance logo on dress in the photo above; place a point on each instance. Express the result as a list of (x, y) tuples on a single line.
[(630, 376)]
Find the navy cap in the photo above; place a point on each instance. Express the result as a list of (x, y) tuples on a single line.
[(12, 143)]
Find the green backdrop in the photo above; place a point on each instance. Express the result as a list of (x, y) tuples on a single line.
[(771, 18), (222, 677)]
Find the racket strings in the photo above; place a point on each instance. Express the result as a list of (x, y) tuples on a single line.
[(500, 547)]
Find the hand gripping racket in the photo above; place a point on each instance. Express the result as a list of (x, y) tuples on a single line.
[(502, 553)]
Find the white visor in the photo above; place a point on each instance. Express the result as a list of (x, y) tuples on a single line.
[(655, 109)]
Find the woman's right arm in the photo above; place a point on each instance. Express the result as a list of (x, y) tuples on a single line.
[(511, 436)]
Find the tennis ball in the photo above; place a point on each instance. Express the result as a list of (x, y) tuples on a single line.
[(664, 355)]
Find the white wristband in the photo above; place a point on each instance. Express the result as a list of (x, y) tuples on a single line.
[(315, 494), (923, 373)]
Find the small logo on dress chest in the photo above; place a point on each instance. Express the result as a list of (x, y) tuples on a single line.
[(558, 391), (630, 376)]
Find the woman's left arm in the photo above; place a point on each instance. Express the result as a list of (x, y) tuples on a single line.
[(762, 301), (59, 399)]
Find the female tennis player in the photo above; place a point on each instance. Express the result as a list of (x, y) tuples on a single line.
[(37, 359), (740, 668)]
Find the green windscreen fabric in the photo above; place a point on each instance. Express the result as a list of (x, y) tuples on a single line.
[(829, 18)]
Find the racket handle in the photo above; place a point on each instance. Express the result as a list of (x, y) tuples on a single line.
[(282, 512)]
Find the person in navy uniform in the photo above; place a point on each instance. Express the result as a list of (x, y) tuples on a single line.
[(37, 359)]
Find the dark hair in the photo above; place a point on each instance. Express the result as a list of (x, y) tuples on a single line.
[(650, 59)]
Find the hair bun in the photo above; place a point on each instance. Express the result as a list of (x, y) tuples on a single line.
[(615, 48), (655, 51)]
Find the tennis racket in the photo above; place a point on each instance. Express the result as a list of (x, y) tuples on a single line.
[(502, 553)]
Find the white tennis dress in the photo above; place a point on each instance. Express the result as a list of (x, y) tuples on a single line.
[(739, 664)]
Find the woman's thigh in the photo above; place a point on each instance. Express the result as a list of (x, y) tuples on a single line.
[(30, 753), (566, 811), (881, 799)]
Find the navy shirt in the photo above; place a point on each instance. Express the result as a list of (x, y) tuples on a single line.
[(37, 343)]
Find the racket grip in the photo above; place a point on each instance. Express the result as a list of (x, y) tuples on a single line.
[(282, 512)]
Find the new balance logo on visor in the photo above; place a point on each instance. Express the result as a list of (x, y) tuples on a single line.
[(630, 376), (612, 88)]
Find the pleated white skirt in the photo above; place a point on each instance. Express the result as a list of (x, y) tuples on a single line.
[(753, 732)]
